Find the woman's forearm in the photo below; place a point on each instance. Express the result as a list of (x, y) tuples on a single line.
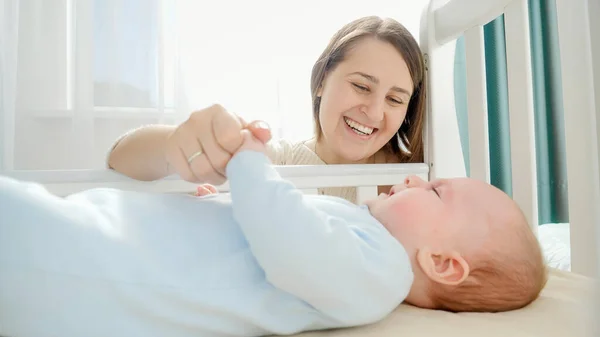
[(141, 153)]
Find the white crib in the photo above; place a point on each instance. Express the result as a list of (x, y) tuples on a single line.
[(442, 23)]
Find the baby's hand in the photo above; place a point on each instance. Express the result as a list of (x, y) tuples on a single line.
[(206, 189), (250, 142)]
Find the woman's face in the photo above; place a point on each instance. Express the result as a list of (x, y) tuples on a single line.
[(363, 102)]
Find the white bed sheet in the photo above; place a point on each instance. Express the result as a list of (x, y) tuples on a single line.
[(555, 241)]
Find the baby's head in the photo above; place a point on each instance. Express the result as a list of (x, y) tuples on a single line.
[(470, 245)]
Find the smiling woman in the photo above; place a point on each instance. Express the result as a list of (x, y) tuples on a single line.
[(364, 92), (368, 101)]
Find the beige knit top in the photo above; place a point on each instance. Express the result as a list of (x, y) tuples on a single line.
[(283, 152)]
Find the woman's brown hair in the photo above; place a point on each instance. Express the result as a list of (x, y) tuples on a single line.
[(391, 31)]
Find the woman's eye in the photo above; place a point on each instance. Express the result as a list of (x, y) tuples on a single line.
[(360, 87), (395, 101)]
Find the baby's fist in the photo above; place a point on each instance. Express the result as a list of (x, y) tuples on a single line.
[(206, 189), (251, 143)]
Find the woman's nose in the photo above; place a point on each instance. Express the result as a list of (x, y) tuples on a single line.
[(374, 110)]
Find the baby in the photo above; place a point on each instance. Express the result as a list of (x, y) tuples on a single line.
[(264, 259), (469, 244)]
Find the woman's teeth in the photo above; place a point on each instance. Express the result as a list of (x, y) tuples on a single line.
[(358, 128)]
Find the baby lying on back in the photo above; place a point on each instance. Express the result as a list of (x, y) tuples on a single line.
[(264, 259), (469, 244)]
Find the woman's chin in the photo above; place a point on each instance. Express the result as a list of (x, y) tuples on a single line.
[(355, 154)]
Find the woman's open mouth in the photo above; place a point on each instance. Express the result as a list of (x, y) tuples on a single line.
[(359, 129)]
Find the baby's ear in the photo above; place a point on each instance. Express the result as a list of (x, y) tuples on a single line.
[(448, 268)]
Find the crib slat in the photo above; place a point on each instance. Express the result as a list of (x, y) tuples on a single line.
[(82, 78), (581, 123), (443, 151), (8, 82), (520, 94), (364, 193), (457, 16), (160, 62), (477, 105)]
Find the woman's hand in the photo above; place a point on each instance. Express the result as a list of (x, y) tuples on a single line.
[(200, 148), (249, 142)]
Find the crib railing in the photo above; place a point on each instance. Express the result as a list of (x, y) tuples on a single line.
[(308, 178), (445, 21)]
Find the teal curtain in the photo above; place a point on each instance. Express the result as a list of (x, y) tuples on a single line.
[(497, 96), (548, 109)]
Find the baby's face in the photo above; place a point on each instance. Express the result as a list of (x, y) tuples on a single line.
[(446, 214)]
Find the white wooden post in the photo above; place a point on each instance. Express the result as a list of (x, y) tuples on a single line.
[(520, 103), (581, 133)]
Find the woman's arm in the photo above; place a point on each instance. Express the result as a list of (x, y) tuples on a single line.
[(198, 149), (141, 153)]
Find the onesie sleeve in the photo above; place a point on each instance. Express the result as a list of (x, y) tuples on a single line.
[(353, 273)]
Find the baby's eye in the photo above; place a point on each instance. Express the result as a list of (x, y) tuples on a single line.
[(436, 191)]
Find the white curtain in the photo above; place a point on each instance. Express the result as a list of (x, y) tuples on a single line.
[(75, 74), (9, 22)]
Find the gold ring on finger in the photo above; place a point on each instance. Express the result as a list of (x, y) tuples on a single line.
[(194, 156)]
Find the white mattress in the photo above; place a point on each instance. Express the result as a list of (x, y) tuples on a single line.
[(564, 309)]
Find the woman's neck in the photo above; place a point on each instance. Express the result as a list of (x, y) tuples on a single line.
[(379, 157)]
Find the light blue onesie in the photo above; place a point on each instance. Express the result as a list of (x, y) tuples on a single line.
[(265, 259)]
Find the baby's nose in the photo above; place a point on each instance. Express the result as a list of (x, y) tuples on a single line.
[(413, 181)]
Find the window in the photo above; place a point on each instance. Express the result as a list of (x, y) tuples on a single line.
[(88, 71), (134, 62)]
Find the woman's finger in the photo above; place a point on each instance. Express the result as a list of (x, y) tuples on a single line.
[(199, 162), (221, 140), (226, 128), (207, 140), (217, 156), (200, 147), (177, 160)]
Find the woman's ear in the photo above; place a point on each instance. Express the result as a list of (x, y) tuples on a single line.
[(448, 268)]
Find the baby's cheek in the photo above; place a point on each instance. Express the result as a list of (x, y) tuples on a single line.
[(402, 219), (403, 208)]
